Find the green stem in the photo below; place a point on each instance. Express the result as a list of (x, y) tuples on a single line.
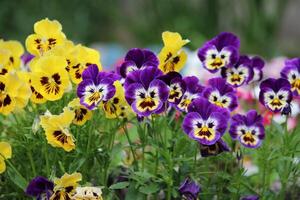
[(131, 145), (29, 154)]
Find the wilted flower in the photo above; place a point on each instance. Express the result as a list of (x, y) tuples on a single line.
[(171, 57), (193, 90), (57, 131), (248, 129), (48, 34), (221, 93), (136, 59), (241, 73), (291, 72), (87, 193), (144, 92), (40, 187), (221, 51), (215, 149), (65, 186), (205, 122), (95, 87), (49, 77), (189, 189), (176, 86), (82, 114), (5, 153), (275, 94)]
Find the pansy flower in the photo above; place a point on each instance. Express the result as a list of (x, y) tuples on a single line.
[(65, 186), (49, 77), (14, 93), (189, 189), (144, 92), (82, 114), (117, 106), (220, 93), (88, 193), (257, 65), (137, 59), (172, 57), (14, 50), (215, 149), (5, 153), (241, 73), (291, 72), (79, 58), (221, 51), (205, 122), (248, 129), (95, 87), (193, 90), (40, 187), (176, 86), (48, 34), (4, 62), (57, 130), (275, 94)]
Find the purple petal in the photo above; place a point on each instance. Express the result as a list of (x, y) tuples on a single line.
[(187, 124), (39, 185), (91, 72)]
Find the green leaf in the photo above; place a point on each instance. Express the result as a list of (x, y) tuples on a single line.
[(149, 189), (17, 179), (119, 185)]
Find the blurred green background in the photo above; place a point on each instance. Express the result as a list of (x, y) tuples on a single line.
[(266, 27)]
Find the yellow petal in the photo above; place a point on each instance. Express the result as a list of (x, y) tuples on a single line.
[(47, 27), (2, 165), (173, 40), (68, 180), (5, 150)]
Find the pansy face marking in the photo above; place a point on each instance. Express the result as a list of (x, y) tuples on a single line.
[(248, 135), (186, 100), (276, 101), (291, 72), (93, 94), (221, 101), (294, 79), (176, 92), (5, 99), (215, 60), (237, 76), (205, 129), (51, 84), (147, 100)]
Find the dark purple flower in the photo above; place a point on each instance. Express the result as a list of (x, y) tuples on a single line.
[(220, 93), (248, 129), (257, 65), (26, 58), (241, 73), (221, 51), (193, 90), (176, 86), (189, 189), (40, 187), (95, 87), (291, 72), (137, 59), (250, 197), (275, 94), (215, 149), (144, 92), (205, 122)]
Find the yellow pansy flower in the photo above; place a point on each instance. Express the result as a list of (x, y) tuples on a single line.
[(14, 93), (5, 153), (48, 34), (65, 186), (57, 131), (171, 57), (82, 114), (4, 62), (117, 106), (49, 77), (79, 59), (15, 50)]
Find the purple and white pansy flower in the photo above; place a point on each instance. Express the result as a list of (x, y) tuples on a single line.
[(248, 129), (241, 73), (221, 51), (275, 94), (96, 87), (205, 122), (176, 86), (193, 90), (137, 58), (145, 93), (220, 93), (291, 72), (257, 64)]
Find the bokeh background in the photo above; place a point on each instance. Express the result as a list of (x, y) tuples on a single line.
[(266, 27)]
